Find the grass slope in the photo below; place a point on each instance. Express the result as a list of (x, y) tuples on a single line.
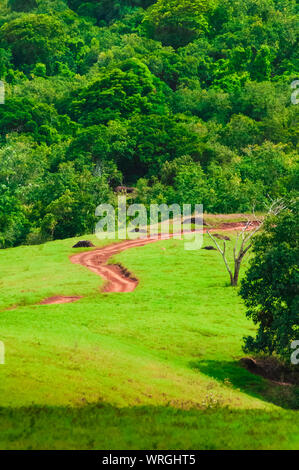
[(156, 368)]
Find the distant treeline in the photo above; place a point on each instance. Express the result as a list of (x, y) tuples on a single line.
[(188, 101)]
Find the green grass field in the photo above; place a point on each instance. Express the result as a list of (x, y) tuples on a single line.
[(157, 368)]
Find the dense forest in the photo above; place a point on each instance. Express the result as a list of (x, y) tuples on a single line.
[(189, 101)]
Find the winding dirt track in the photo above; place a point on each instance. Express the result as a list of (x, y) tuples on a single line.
[(117, 278)]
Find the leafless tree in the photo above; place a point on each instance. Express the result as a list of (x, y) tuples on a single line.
[(245, 236)]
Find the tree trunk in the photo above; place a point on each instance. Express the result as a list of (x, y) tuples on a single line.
[(235, 278)]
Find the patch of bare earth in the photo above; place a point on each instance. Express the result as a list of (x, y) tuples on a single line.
[(270, 368), (59, 299), (118, 278)]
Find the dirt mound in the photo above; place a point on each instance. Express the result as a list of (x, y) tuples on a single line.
[(195, 221), (138, 230), (84, 244), (221, 237), (270, 368)]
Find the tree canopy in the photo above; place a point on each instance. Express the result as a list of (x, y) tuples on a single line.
[(270, 288), (186, 100)]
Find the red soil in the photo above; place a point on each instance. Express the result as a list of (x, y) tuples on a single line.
[(59, 299), (117, 278)]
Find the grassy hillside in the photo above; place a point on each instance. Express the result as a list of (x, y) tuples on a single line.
[(155, 368), (187, 101)]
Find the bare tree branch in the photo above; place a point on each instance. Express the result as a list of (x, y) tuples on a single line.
[(222, 252), (246, 234)]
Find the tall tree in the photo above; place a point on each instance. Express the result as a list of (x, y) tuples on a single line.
[(177, 22), (270, 287)]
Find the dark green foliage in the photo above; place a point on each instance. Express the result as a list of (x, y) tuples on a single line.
[(34, 38), (178, 22), (121, 93), (270, 288), (187, 100), (14, 225), (22, 5), (106, 10)]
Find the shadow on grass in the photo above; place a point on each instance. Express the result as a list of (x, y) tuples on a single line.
[(233, 374), (103, 426)]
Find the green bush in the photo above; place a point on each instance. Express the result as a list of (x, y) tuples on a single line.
[(270, 287)]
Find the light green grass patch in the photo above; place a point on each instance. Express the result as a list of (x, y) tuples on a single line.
[(155, 368)]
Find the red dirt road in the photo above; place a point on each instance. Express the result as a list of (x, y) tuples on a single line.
[(117, 278)]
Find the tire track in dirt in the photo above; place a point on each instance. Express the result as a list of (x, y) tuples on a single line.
[(117, 278)]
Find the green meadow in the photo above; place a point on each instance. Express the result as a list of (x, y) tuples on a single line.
[(157, 368)]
